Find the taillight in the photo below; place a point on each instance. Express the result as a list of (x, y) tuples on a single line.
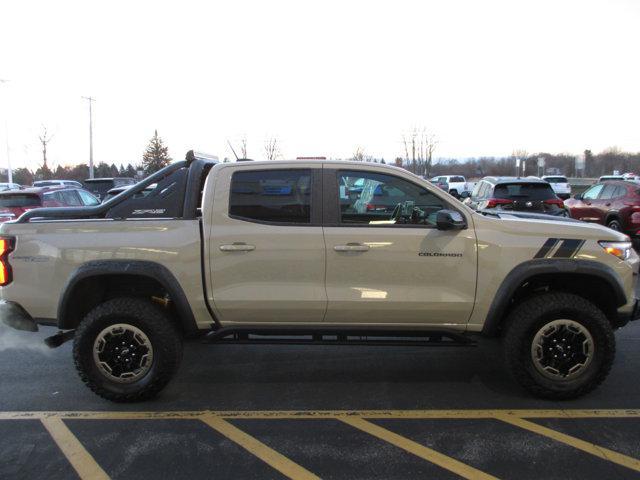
[(554, 201), (494, 202), (6, 247)]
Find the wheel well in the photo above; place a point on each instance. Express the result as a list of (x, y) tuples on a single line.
[(612, 216), (89, 292), (594, 289)]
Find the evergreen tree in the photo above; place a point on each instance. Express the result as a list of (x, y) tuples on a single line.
[(156, 156)]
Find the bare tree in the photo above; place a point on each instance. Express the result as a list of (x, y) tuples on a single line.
[(44, 140), (242, 148), (419, 146), (358, 155), (272, 149)]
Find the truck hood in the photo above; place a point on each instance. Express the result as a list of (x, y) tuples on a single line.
[(554, 226)]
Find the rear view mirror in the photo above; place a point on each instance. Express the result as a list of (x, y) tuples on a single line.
[(450, 220), (578, 196)]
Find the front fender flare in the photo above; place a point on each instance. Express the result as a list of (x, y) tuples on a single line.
[(516, 277)]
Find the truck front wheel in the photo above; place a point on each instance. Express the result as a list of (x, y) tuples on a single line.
[(127, 349), (558, 345)]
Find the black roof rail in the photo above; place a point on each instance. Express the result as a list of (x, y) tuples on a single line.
[(103, 208)]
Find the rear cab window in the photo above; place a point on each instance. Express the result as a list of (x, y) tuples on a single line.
[(272, 196), (556, 179)]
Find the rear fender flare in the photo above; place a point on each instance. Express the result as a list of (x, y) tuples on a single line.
[(151, 270)]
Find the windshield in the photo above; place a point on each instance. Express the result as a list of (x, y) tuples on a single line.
[(528, 191), (19, 200)]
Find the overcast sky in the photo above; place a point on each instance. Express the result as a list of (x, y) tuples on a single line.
[(324, 77)]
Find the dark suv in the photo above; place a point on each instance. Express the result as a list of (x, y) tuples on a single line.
[(614, 203), (516, 194), (100, 186)]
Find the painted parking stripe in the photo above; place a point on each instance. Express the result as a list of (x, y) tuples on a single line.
[(421, 451), (574, 442), (81, 460), (259, 449)]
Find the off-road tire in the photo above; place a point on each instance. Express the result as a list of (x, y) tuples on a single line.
[(154, 322), (530, 316)]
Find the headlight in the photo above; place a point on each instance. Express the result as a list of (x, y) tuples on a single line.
[(622, 250)]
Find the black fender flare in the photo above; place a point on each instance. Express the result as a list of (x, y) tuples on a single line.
[(529, 269), (152, 270)]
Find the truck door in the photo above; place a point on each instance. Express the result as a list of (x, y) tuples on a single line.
[(387, 263), (266, 246)]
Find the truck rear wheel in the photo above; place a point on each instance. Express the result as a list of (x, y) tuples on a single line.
[(558, 345), (127, 349)]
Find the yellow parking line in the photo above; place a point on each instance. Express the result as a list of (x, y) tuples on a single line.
[(305, 414), (259, 449), (421, 451), (81, 460), (574, 442)]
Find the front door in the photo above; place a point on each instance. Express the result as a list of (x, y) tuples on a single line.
[(588, 207), (387, 263), (266, 248)]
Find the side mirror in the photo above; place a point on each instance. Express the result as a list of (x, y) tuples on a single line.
[(450, 220), (578, 196), (466, 194)]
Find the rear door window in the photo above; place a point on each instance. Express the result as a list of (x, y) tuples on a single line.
[(456, 179), (272, 196), (608, 192), (528, 191)]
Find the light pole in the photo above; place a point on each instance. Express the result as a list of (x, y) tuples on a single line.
[(90, 100), (6, 137)]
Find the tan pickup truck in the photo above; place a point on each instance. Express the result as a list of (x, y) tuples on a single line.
[(324, 252)]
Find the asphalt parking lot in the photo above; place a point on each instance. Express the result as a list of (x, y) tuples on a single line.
[(306, 412)]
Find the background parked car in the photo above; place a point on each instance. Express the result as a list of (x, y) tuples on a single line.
[(57, 183), (604, 178), (614, 203), (559, 184), (457, 184), (118, 190), (516, 194), (9, 186), (15, 203), (100, 186), (440, 183)]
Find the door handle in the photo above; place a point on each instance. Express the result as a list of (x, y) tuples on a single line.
[(237, 247), (607, 204), (351, 247)]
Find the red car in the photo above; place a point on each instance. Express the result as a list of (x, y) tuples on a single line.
[(15, 203), (614, 203)]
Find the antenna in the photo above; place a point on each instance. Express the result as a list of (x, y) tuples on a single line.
[(234, 152)]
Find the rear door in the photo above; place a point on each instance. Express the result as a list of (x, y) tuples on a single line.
[(266, 248), (387, 263)]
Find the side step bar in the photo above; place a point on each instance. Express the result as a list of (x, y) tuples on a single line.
[(337, 336)]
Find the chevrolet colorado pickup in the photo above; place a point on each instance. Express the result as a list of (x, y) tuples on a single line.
[(286, 252)]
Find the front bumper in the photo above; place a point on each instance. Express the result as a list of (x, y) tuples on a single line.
[(14, 316)]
